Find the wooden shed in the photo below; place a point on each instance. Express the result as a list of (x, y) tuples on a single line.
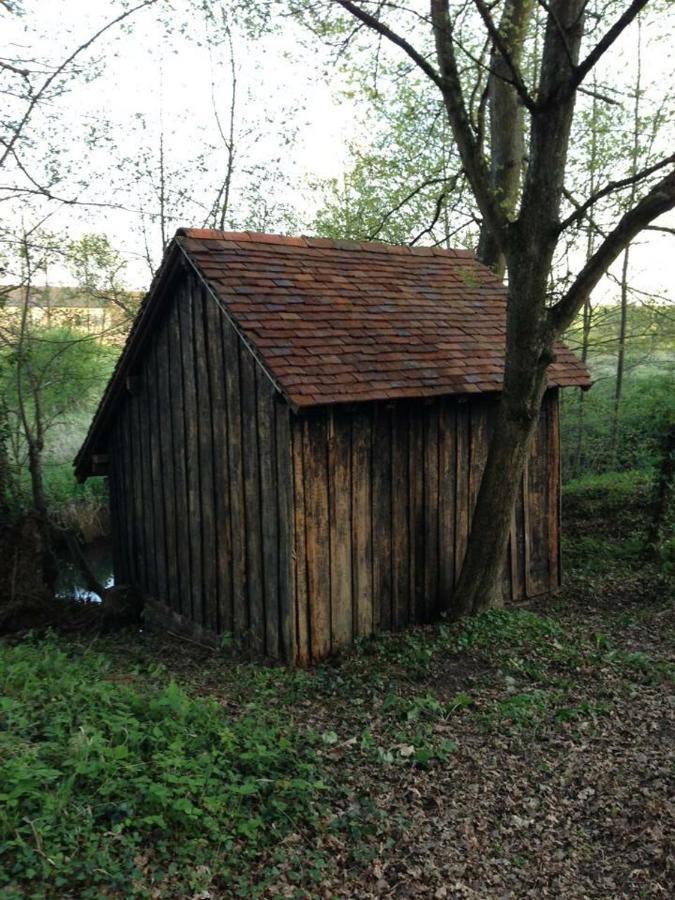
[(295, 433)]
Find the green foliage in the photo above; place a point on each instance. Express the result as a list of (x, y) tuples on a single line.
[(647, 405), (57, 374), (647, 409), (405, 184), (98, 270), (104, 784), (67, 367), (508, 628)]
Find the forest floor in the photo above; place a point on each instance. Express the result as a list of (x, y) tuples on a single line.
[(526, 753)]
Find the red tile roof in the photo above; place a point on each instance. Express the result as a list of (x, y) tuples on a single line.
[(342, 321)]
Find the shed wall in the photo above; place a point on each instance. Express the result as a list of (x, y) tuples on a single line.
[(384, 495), (200, 478)]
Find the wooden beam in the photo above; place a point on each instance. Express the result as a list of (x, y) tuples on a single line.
[(133, 384)]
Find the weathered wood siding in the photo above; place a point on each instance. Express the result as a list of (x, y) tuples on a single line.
[(201, 480), (297, 533), (384, 495)]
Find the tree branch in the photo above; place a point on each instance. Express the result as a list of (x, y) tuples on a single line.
[(584, 67), (610, 188), (377, 25), (44, 87), (473, 161), (408, 197), (659, 200), (449, 83), (500, 45)]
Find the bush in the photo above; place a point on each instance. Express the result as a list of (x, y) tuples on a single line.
[(647, 409), (105, 786)]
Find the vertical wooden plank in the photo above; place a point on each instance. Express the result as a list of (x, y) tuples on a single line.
[(447, 488), (551, 400), (124, 516), (238, 523), (157, 474), (254, 560), (180, 458), (149, 486), (382, 517), (340, 502), (133, 542), (315, 452), (207, 522), (431, 506), (400, 500), (284, 475), (191, 415), (168, 463), (136, 453), (462, 484), (303, 648), (221, 488), (362, 551), (116, 499), (269, 508), (416, 484)]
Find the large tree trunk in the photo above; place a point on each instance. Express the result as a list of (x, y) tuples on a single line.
[(528, 355)]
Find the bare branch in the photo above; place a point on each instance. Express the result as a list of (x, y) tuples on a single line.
[(46, 84), (437, 214), (661, 228), (23, 72), (408, 197), (659, 200), (584, 67), (501, 46), (470, 152), (610, 188), (377, 25)]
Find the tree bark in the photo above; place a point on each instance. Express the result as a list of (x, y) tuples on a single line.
[(587, 321), (506, 127), (620, 360), (528, 355), (528, 243)]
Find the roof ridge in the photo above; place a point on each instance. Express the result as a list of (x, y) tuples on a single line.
[(258, 237)]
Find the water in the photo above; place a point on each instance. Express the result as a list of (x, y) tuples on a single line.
[(70, 582)]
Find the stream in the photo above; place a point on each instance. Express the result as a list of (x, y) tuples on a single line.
[(70, 582)]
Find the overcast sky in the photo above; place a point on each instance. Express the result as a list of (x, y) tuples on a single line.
[(285, 87)]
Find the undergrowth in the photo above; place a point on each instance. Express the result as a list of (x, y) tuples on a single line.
[(107, 786), (116, 781)]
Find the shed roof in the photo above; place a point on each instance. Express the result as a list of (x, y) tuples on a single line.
[(337, 321), (342, 321)]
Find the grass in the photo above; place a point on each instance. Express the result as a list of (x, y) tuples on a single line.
[(145, 767)]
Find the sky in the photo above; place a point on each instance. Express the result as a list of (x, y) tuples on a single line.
[(287, 85)]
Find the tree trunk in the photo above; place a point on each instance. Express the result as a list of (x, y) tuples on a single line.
[(620, 361), (5, 473), (506, 128), (581, 393), (528, 355)]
